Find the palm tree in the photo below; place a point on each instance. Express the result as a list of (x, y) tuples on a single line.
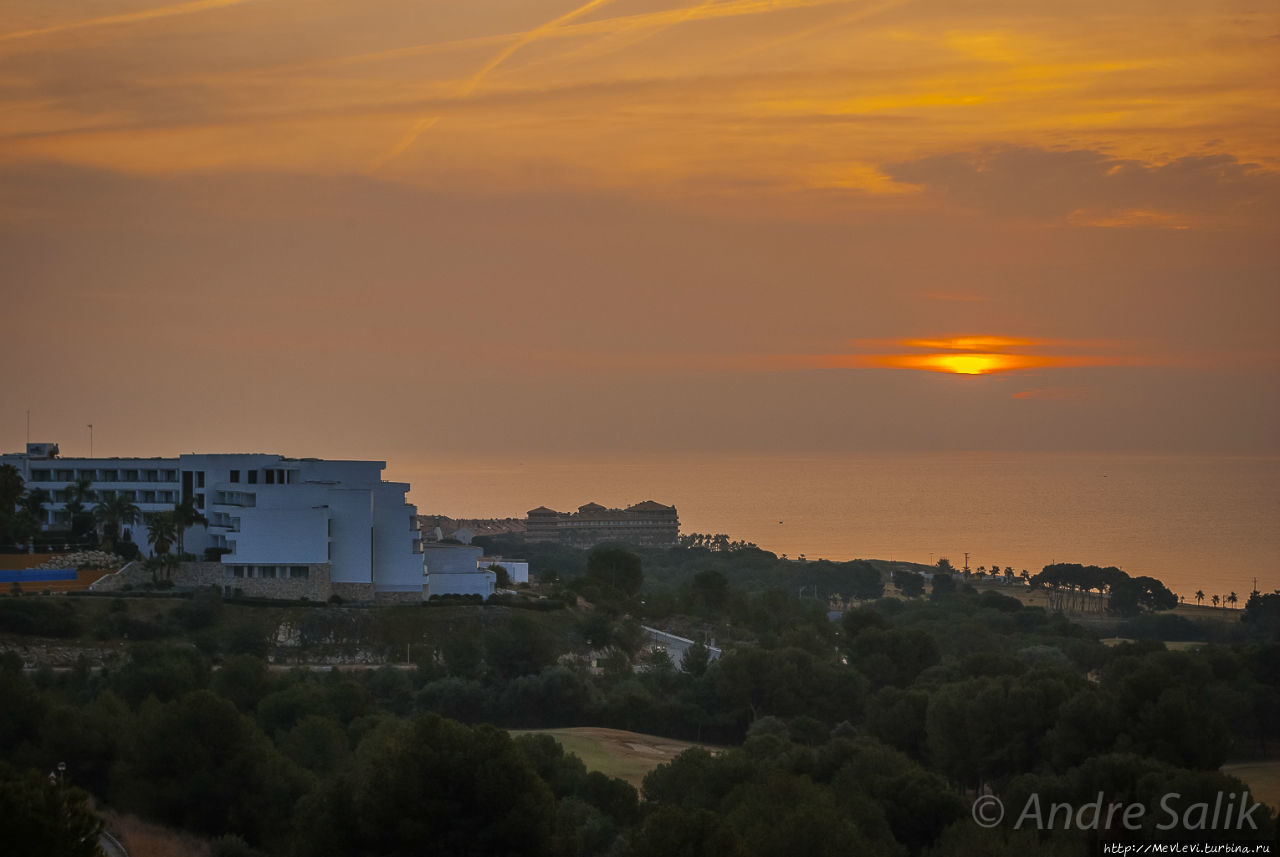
[(34, 502), (1233, 599), (80, 520), (23, 528), (113, 513), (185, 515), (165, 562), (11, 485), (81, 490), (162, 531), (1199, 596), (1215, 600)]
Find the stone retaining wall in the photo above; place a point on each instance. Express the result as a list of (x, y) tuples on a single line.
[(353, 591), (398, 598), (314, 587), (137, 576), (133, 575), (198, 574)]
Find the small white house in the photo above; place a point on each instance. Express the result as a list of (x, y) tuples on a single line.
[(454, 570), (517, 569)]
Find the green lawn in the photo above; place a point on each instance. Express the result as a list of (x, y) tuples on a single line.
[(625, 755), (1263, 779)]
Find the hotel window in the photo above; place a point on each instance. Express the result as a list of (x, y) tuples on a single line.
[(42, 476), (238, 570), (199, 478), (298, 572), (253, 477), (235, 476), (271, 477)]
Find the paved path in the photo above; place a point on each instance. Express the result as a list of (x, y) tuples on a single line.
[(111, 846)]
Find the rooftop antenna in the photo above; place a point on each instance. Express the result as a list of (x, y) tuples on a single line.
[(91, 440)]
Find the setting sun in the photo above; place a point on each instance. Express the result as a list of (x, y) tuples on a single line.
[(962, 364), (981, 363)]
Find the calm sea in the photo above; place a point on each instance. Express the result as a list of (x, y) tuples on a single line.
[(1210, 523)]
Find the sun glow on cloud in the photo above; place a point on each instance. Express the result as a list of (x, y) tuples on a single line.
[(971, 355)]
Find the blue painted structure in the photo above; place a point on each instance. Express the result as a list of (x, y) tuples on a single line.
[(37, 575)]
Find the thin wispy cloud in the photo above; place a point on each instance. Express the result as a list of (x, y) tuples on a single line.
[(188, 8), (639, 22), (422, 125), (641, 26)]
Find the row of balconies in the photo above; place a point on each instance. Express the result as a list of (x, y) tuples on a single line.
[(133, 496), (66, 475)]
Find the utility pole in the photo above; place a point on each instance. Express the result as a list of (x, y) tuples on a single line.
[(966, 562)]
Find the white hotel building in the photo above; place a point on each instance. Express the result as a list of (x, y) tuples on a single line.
[(291, 526)]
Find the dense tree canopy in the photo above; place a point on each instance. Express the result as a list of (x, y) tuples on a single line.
[(855, 736)]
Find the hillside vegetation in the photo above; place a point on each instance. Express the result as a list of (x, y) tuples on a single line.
[(862, 735)]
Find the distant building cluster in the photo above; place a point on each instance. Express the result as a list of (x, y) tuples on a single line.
[(647, 524)]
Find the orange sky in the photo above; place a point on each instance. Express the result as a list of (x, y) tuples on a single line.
[(366, 229)]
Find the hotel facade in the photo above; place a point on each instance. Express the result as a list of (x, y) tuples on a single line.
[(283, 524)]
